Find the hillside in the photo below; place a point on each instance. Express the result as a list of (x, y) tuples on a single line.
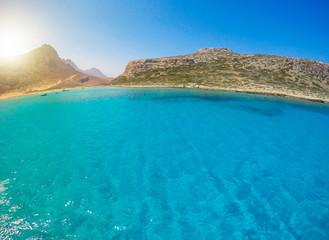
[(40, 70), (222, 69)]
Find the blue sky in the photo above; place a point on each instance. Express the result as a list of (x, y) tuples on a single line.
[(108, 34)]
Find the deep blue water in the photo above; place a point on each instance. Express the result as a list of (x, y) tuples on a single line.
[(114, 163)]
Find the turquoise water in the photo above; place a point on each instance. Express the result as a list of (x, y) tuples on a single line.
[(114, 163)]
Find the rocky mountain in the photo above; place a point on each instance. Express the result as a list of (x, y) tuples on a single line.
[(95, 72), (72, 64), (223, 69), (40, 70), (92, 71)]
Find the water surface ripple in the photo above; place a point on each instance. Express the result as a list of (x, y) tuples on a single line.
[(115, 163)]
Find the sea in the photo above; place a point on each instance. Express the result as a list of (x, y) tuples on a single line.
[(157, 163)]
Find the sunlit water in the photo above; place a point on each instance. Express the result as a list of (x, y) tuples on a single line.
[(114, 163)]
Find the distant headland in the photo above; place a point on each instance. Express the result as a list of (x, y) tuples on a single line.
[(223, 69)]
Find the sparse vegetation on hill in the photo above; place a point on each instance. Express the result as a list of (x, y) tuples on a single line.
[(223, 69)]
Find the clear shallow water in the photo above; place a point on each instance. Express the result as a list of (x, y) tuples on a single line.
[(113, 163)]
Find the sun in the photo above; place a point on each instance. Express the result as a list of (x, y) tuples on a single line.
[(13, 41), (11, 44)]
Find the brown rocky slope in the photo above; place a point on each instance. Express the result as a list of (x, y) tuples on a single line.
[(222, 69), (38, 71)]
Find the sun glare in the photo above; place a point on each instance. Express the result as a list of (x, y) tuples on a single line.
[(13, 42)]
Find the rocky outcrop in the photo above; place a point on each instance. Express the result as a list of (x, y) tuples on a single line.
[(138, 66), (298, 66)]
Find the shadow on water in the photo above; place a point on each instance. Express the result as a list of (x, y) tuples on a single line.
[(266, 111), (187, 98), (234, 102)]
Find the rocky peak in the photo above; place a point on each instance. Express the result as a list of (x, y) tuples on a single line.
[(47, 50), (44, 53), (95, 72), (71, 63), (214, 51)]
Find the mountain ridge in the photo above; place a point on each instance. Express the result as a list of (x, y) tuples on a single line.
[(40, 70), (92, 71)]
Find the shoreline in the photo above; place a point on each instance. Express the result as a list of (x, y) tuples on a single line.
[(248, 91), (16, 96), (265, 93)]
